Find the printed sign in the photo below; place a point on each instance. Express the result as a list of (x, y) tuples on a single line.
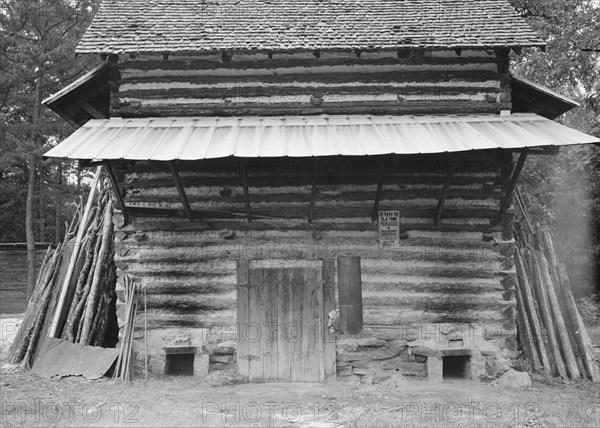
[(389, 229)]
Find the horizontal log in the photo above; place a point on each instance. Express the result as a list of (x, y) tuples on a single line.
[(196, 287), (10, 307), (237, 64), (433, 287), (382, 107), (293, 92), (357, 77), (446, 303), (322, 196), (299, 212), (189, 303), (262, 250), (405, 317)]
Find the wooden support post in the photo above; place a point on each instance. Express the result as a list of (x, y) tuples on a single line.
[(382, 171), (117, 190), (440, 207), (246, 193), (313, 193), (511, 186), (181, 190)]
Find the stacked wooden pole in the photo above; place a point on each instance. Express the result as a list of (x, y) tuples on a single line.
[(553, 336), (124, 366), (74, 295)]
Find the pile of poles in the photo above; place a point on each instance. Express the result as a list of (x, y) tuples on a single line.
[(24, 346), (124, 368), (551, 331), (74, 298)]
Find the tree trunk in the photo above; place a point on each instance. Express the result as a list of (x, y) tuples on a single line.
[(41, 214), (29, 208), (58, 206)]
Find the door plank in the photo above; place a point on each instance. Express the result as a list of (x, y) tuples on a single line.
[(254, 332), (295, 322), (311, 331), (242, 317), (270, 345), (283, 308)]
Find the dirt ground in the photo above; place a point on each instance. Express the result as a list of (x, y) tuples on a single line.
[(28, 400)]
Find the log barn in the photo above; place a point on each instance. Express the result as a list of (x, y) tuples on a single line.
[(313, 189)]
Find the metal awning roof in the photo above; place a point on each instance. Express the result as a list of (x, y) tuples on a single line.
[(165, 139)]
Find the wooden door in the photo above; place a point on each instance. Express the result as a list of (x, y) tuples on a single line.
[(283, 323)]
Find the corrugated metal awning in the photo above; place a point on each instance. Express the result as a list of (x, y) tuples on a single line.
[(164, 139)]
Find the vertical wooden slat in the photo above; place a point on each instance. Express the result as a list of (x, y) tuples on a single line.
[(311, 327), (328, 305), (255, 328), (295, 321), (242, 317), (283, 308), (270, 348)]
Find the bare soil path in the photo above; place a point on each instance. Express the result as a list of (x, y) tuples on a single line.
[(28, 400)]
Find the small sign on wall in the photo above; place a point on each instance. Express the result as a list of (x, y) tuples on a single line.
[(389, 229)]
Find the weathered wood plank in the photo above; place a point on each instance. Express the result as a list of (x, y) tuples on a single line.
[(271, 325), (255, 336), (243, 315), (296, 323), (284, 292), (311, 324)]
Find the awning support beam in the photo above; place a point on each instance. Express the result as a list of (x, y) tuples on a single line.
[(511, 186), (383, 171), (313, 193), (437, 218), (181, 190), (91, 110), (244, 167), (117, 189)]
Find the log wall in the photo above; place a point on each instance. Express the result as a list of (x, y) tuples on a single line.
[(444, 282), (429, 82)]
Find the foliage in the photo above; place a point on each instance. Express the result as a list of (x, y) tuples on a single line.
[(37, 42), (564, 191)]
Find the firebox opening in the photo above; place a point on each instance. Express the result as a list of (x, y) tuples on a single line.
[(456, 367), (180, 365)]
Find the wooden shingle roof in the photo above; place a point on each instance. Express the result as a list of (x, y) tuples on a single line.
[(127, 26)]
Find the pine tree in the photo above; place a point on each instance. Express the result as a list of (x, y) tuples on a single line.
[(37, 44)]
